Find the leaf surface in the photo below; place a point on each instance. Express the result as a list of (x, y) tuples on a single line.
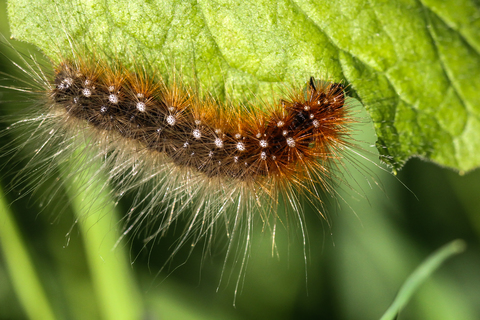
[(415, 65)]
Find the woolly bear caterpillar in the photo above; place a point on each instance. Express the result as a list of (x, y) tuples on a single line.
[(247, 160)]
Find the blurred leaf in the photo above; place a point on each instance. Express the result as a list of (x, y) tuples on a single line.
[(421, 274)]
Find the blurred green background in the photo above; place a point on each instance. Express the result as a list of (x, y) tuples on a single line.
[(355, 266)]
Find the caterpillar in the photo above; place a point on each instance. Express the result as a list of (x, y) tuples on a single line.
[(188, 155), (217, 157), (204, 137), (212, 148)]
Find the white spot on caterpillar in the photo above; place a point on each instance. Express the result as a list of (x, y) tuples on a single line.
[(218, 131), (198, 122), (171, 120), (284, 132), (185, 145), (291, 142), (65, 84), (141, 106), (87, 92), (306, 108), (235, 159), (87, 82), (240, 146), (263, 155), (103, 109), (312, 116), (263, 143), (113, 98), (280, 124), (219, 143), (210, 154), (259, 135), (111, 88), (140, 96), (197, 134), (316, 123), (75, 100), (238, 136)]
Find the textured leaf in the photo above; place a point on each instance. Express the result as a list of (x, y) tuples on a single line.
[(414, 64)]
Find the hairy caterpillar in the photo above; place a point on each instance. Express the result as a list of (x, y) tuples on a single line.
[(218, 163), (217, 157)]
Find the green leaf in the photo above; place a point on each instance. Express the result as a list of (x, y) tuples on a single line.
[(415, 65)]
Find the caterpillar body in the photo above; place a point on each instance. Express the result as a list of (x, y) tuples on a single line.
[(199, 155), (204, 137), (210, 160), (182, 153)]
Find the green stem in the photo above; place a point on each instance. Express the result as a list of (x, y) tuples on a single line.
[(24, 278), (97, 217)]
